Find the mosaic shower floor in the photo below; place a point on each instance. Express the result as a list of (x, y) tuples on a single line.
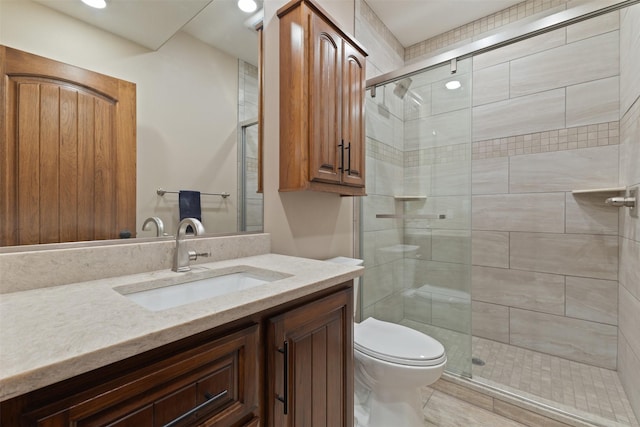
[(590, 392)]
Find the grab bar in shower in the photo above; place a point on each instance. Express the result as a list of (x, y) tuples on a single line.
[(417, 216)]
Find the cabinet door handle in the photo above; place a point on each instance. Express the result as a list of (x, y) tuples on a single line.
[(285, 396), (348, 170), (210, 400), (341, 147)]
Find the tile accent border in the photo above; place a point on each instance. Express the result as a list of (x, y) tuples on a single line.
[(573, 138), (480, 26)]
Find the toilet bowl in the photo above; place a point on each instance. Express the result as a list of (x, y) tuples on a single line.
[(391, 362)]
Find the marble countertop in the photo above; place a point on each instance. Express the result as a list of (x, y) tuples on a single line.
[(51, 334)]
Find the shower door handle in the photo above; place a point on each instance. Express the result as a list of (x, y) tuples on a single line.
[(285, 395)]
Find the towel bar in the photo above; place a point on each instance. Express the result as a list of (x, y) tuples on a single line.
[(162, 192)]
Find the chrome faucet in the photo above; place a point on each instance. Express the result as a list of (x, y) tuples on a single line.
[(154, 220), (181, 256)]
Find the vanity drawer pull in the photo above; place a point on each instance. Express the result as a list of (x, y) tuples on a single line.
[(211, 399)]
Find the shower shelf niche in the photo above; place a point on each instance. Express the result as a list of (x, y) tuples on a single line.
[(600, 190)]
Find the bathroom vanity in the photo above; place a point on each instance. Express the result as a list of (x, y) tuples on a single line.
[(278, 354)]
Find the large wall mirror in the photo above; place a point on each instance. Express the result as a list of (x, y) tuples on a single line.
[(195, 66)]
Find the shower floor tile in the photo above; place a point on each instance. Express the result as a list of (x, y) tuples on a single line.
[(577, 387), (588, 391)]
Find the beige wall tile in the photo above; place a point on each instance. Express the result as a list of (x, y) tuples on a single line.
[(579, 340), (417, 306), (629, 59), (592, 299), (583, 255), (587, 213), (543, 212), (593, 27), (451, 246), (556, 67), (630, 145), (533, 113), (490, 321), (444, 100), (491, 84), (524, 289), (629, 320), (390, 309), (490, 176), (440, 130), (524, 416), (451, 179), (451, 312), (518, 50), (490, 248), (629, 270), (421, 238), (595, 167), (445, 275), (629, 372), (596, 101)]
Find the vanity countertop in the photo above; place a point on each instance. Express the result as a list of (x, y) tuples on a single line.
[(51, 334)]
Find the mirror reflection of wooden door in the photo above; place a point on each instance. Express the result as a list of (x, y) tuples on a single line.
[(67, 153)]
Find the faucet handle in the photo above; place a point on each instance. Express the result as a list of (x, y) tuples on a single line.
[(193, 255)]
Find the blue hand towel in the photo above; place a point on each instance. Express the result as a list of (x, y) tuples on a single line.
[(189, 203)]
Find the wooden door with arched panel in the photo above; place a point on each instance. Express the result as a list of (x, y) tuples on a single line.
[(67, 153)]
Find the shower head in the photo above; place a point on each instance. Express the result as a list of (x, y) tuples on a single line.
[(402, 86)]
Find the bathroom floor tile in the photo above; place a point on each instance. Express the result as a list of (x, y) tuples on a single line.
[(443, 410)]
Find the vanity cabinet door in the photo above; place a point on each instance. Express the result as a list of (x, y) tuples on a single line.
[(213, 385), (310, 364)]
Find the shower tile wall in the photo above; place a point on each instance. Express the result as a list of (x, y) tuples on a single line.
[(545, 261), (248, 110), (382, 238), (629, 269)]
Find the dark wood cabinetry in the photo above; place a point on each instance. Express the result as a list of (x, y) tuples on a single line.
[(322, 86), (310, 357), (228, 377)]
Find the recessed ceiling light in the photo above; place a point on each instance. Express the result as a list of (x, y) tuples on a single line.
[(452, 85), (98, 4), (247, 5)]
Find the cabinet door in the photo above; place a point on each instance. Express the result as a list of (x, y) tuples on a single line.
[(324, 98), (353, 89), (310, 362)]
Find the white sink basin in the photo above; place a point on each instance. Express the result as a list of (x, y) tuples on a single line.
[(191, 287)]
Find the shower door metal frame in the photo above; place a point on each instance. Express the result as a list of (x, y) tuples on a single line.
[(524, 31)]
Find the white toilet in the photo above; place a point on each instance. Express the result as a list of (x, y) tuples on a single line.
[(392, 362)]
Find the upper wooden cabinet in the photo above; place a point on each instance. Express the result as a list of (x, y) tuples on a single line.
[(322, 86)]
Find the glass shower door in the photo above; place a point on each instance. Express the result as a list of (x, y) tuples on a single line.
[(416, 221)]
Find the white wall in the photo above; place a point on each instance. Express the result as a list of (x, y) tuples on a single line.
[(309, 224), (186, 106)]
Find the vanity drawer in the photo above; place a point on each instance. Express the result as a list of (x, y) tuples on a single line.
[(212, 385)]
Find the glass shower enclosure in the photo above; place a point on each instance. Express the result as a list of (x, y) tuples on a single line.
[(416, 220)]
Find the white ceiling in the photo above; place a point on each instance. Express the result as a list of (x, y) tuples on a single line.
[(220, 23), (413, 21)]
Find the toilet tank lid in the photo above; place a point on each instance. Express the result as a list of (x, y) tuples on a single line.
[(346, 260)]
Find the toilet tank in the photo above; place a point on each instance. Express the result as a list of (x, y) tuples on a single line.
[(356, 282)]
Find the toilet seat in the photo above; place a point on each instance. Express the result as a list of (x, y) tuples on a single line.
[(397, 344)]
